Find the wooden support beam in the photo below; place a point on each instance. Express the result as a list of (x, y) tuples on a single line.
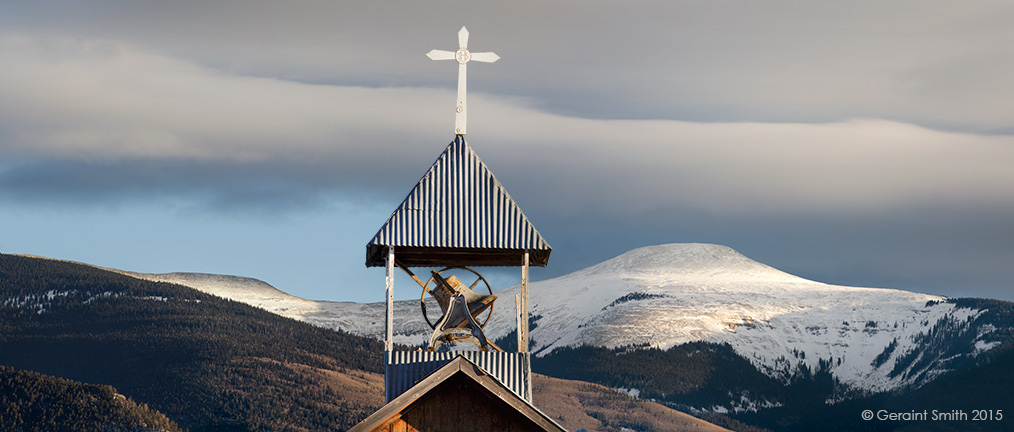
[(389, 323), (524, 302), (517, 318)]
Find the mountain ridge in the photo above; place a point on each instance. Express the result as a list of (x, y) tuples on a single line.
[(665, 295), (217, 365), (778, 321), (767, 348), (205, 362)]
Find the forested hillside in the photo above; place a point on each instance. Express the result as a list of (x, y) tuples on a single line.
[(696, 374), (216, 365), (207, 363), (211, 364), (33, 402)]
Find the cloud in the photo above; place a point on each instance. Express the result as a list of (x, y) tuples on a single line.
[(866, 133), (852, 166), (937, 64), (117, 111), (110, 100)]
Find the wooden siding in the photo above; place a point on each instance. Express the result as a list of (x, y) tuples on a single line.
[(460, 396), (459, 404)]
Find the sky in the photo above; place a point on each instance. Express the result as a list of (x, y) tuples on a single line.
[(861, 143)]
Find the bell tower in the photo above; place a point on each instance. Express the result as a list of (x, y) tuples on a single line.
[(458, 217)]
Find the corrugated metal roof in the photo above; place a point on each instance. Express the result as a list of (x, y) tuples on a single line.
[(458, 214), (403, 369)]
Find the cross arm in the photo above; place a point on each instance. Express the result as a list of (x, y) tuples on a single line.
[(487, 57), (463, 37), (440, 55)]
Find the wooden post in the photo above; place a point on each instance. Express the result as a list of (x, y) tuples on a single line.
[(523, 331), (389, 323), (523, 346), (517, 317)]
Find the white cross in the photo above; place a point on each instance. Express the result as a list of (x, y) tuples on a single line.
[(463, 56)]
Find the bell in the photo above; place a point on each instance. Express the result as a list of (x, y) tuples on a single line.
[(444, 333), (444, 292)]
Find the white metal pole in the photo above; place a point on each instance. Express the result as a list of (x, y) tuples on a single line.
[(389, 323), (459, 117)]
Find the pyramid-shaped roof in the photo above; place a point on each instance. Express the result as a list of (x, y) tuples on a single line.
[(458, 214)]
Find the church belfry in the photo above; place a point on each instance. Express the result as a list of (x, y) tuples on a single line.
[(456, 218)]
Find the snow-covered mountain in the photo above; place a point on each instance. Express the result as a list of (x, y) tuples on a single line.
[(671, 294), (667, 295), (869, 338)]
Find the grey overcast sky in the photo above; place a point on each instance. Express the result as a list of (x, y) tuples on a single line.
[(864, 143)]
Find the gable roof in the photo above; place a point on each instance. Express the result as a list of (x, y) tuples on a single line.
[(462, 369), (458, 214)]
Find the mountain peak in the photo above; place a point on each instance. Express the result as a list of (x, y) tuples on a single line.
[(689, 259)]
